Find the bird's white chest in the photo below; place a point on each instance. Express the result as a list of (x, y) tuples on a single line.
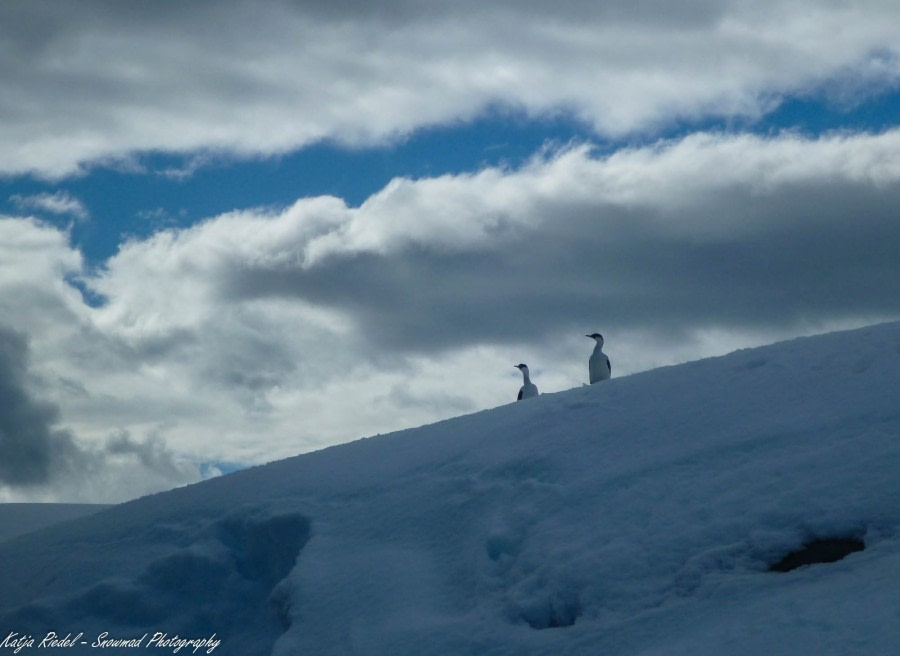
[(598, 366), (528, 390)]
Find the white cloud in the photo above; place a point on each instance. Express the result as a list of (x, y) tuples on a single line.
[(35, 260), (59, 203), (102, 80), (672, 180)]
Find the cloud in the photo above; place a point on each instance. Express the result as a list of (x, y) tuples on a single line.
[(708, 231), (35, 261), (60, 203), (28, 445), (259, 334), (38, 458), (102, 81), (58, 435)]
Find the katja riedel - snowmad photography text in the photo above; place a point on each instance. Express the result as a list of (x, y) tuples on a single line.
[(17, 643)]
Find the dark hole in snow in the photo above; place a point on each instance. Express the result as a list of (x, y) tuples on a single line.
[(554, 615), (829, 550)]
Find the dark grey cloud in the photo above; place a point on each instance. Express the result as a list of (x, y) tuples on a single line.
[(810, 251), (34, 453), (566, 11), (30, 448), (152, 454)]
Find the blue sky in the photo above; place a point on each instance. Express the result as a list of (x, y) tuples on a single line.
[(230, 234)]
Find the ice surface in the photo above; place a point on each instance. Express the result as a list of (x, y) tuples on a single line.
[(640, 516)]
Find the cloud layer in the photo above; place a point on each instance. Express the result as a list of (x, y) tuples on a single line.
[(98, 80), (259, 334), (710, 230)]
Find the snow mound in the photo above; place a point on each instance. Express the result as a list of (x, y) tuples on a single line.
[(638, 516), (204, 577)]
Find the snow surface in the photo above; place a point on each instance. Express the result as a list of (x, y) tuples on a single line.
[(636, 516), (20, 518)]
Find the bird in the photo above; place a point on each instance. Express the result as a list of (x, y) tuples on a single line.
[(528, 389), (599, 367)]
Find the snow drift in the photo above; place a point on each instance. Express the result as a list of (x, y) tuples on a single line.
[(643, 515)]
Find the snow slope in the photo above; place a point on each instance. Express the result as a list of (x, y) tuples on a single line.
[(20, 518), (638, 516)]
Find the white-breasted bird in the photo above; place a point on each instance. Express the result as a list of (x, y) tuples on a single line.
[(599, 367), (528, 388)]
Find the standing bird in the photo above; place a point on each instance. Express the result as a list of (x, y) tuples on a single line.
[(598, 366), (528, 389)]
